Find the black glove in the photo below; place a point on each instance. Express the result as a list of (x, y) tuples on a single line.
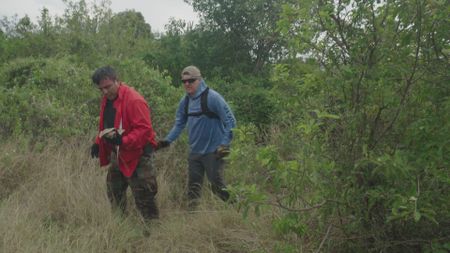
[(162, 144), (222, 151), (115, 140), (148, 150), (94, 150)]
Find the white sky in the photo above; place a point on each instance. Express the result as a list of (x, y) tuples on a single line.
[(155, 12)]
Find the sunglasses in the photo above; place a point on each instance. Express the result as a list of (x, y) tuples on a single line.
[(190, 81)]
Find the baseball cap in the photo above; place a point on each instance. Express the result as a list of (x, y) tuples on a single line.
[(191, 72)]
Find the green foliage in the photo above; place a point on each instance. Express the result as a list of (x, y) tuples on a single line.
[(250, 101), (285, 248), (373, 117), (297, 85), (242, 155), (241, 35), (288, 177), (247, 197), (172, 53), (346, 132), (124, 35), (41, 97), (290, 223), (88, 32), (436, 247)]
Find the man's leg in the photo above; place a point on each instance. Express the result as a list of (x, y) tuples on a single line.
[(196, 173), (144, 187), (116, 187), (214, 171)]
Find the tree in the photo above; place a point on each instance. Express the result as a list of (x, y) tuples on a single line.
[(244, 32), (125, 34), (171, 52), (368, 143)]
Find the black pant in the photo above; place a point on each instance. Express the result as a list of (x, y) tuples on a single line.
[(214, 167)]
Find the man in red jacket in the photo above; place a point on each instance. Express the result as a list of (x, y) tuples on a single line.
[(128, 146)]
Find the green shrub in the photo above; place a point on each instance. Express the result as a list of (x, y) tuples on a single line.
[(252, 103), (46, 97)]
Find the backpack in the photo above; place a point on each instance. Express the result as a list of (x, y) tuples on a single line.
[(204, 106)]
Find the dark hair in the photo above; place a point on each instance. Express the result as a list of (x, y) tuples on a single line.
[(104, 73)]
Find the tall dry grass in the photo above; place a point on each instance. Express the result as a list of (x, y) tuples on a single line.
[(54, 200)]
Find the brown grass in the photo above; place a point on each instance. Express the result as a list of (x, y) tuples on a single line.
[(54, 200)]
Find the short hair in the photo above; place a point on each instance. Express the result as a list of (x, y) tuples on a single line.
[(104, 73)]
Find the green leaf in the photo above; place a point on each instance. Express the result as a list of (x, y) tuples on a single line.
[(417, 216)]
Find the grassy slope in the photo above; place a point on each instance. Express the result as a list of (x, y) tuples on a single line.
[(55, 201)]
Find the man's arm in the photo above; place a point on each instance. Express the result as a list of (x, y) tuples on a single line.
[(180, 123)]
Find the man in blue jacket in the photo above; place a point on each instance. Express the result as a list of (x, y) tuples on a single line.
[(210, 121)]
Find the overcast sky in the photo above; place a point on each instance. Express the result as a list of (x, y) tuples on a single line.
[(155, 12)]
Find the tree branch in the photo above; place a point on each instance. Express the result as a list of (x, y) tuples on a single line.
[(409, 80), (324, 238)]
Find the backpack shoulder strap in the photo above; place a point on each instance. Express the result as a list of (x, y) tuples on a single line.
[(203, 104), (186, 105), (204, 100)]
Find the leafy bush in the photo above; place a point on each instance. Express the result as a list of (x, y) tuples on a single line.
[(42, 97), (366, 125), (251, 102)]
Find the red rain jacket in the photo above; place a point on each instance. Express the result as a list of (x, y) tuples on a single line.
[(134, 112)]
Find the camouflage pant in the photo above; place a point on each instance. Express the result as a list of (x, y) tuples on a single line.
[(142, 183)]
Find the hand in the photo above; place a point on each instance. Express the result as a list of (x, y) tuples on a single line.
[(162, 144), (94, 150), (222, 151), (114, 140)]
